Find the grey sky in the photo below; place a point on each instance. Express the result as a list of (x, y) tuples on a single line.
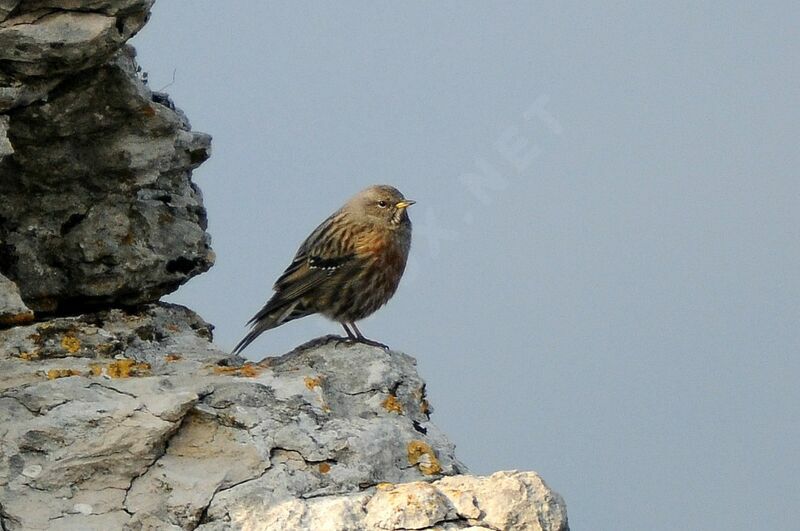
[(614, 304)]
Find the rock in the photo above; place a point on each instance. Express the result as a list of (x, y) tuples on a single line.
[(6, 7), (58, 43), (15, 92), (12, 310), (135, 419), (97, 206), (138, 417), (505, 500), (48, 38), (5, 145), (45, 41)]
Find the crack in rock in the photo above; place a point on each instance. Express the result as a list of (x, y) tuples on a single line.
[(163, 445)]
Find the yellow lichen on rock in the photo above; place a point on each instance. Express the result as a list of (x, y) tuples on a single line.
[(125, 368), (423, 457), (391, 403), (248, 370), (312, 383), (52, 374), (28, 356), (71, 344)]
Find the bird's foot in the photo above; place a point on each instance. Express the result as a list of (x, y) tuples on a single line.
[(370, 342)]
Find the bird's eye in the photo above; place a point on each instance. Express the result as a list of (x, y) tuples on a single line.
[(382, 203)]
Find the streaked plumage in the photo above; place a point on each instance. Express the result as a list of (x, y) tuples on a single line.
[(347, 268)]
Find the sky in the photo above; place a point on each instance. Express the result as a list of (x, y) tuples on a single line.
[(604, 282)]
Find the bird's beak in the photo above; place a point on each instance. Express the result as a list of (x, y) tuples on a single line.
[(405, 203)]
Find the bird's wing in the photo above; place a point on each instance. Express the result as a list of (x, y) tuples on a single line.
[(324, 252)]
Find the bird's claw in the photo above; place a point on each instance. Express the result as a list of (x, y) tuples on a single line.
[(338, 340), (372, 343)]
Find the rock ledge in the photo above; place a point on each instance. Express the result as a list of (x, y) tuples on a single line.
[(135, 420)]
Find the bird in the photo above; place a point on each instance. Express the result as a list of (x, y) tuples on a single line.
[(346, 269)]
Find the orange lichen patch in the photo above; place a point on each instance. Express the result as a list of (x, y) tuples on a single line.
[(425, 407), (125, 368), (71, 344), (17, 318), (28, 356), (173, 327), (384, 486), (95, 369), (248, 370), (391, 403), (52, 374), (172, 357), (421, 454), (313, 383), (324, 468)]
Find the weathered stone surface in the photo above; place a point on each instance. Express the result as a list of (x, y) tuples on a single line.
[(505, 500), (97, 206), (6, 7), (12, 309), (65, 39), (5, 145), (16, 92), (47, 40), (136, 418)]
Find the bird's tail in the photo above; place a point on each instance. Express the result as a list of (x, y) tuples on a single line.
[(270, 316)]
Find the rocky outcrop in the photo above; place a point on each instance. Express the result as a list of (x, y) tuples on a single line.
[(117, 419), (97, 206), (12, 309), (137, 418), (117, 411)]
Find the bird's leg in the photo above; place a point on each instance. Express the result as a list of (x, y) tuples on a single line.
[(361, 339), (351, 338), (350, 335)]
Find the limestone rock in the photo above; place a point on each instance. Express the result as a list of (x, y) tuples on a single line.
[(48, 38), (58, 43), (12, 309), (136, 418), (505, 500), (44, 41), (97, 206)]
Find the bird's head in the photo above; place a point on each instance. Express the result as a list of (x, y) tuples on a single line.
[(381, 204)]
